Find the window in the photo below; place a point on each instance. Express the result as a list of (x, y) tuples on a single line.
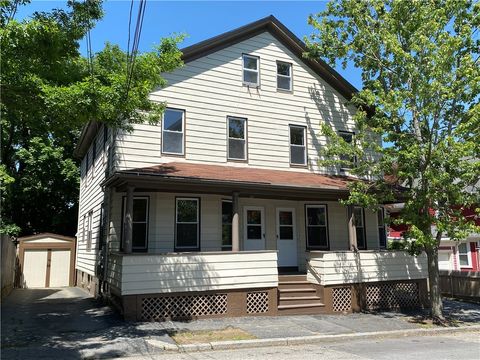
[(284, 76), (382, 234), (173, 131), (227, 214), (86, 169), (105, 137), (251, 74), (358, 213), (298, 149), (84, 228), (464, 256), (237, 144), (187, 224), (316, 223), (89, 230), (139, 222), (349, 138), (102, 232)]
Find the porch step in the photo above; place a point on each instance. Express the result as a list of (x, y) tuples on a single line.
[(293, 284), (307, 291), (301, 309), (299, 300), (292, 277), (298, 296)]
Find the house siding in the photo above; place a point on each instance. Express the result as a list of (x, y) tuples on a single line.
[(210, 88)]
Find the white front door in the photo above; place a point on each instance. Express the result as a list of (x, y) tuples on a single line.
[(254, 228), (286, 237)]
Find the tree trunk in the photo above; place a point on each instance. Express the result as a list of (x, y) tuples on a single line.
[(434, 285)]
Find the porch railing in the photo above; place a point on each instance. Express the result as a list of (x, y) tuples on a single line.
[(133, 274), (347, 267)]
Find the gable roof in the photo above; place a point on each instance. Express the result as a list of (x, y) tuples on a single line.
[(216, 43)]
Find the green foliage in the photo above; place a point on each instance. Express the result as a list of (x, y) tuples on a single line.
[(49, 92), (420, 69)]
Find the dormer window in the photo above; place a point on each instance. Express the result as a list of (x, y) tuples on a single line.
[(251, 73), (284, 76)]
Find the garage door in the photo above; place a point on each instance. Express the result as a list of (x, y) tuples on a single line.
[(35, 268), (444, 260), (36, 274)]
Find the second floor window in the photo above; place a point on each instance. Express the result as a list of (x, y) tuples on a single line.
[(173, 132), (251, 74), (298, 149), (349, 138), (284, 76), (237, 138)]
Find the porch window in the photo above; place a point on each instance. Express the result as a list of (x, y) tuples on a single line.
[(139, 222), (187, 234), (464, 256), (349, 138), (173, 130), (298, 149), (360, 227), (237, 138), (251, 74), (382, 233), (284, 76), (317, 227), (227, 214)]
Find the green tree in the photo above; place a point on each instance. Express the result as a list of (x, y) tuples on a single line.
[(420, 69), (49, 92)]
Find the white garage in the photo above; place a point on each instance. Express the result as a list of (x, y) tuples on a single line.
[(47, 260)]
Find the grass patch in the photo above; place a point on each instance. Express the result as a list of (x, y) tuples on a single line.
[(206, 336)]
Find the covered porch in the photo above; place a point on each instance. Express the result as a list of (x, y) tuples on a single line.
[(206, 234)]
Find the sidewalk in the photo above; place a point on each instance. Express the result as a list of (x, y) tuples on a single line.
[(68, 324)]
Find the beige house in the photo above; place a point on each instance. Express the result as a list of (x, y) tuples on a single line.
[(222, 209)]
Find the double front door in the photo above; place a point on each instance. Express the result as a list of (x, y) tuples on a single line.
[(254, 233)]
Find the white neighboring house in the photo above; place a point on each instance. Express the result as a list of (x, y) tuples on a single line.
[(198, 216)]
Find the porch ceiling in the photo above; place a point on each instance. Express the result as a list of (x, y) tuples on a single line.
[(223, 180)]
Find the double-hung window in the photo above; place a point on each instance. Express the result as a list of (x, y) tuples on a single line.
[(464, 256), (382, 233), (358, 213), (139, 222), (317, 228), (227, 214), (187, 224), (298, 149), (284, 76), (173, 132), (349, 161), (89, 230), (251, 72), (237, 138)]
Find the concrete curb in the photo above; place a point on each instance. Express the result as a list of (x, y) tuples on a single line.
[(314, 339)]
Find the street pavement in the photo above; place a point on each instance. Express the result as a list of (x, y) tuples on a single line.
[(68, 324)]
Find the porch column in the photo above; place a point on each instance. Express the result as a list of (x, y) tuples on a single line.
[(128, 221), (235, 223), (352, 231)]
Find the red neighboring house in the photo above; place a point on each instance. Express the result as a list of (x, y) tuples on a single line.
[(452, 255)]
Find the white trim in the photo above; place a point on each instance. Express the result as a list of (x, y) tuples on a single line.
[(304, 146), (174, 132), (197, 222), (469, 256)]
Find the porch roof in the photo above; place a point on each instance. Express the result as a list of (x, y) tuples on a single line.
[(225, 179)]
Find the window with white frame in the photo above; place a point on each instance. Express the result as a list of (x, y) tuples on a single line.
[(284, 76), (298, 148), (89, 230), (317, 228), (464, 256), (139, 222), (173, 132), (187, 224), (349, 138), (359, 217), (251, 72), (227, 215), (237, 138), (382, 232)]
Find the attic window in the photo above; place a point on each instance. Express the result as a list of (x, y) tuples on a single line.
[(251, 74), (284, 76)]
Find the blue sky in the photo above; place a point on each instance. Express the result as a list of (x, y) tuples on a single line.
[(200, 20)]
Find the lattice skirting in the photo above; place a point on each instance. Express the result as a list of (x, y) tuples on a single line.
[(342, 299), (257, 302), (392, 295)]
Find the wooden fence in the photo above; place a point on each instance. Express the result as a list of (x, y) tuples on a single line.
[(461, 284), (8, 258)]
